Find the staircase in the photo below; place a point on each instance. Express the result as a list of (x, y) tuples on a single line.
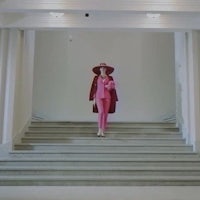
[(131, 154)]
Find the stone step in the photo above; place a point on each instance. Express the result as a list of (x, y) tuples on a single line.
[(100, 171), (118, 129), (96, 140), (109, 162), (100, 180), (109, 134), (102, 146), (110, 125), (131, 154), (102, 154)]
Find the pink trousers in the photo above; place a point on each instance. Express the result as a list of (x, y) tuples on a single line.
[(103, 106)]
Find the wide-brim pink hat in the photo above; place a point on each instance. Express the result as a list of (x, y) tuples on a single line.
[(109, 69)]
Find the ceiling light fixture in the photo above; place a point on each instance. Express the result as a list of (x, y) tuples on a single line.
[(56, 14), (153, 15)]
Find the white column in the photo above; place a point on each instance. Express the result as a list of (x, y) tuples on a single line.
[(13, 59), (182, 97), (188, 86), (194, 89), (3, 62), (28, 65), (24, 86)]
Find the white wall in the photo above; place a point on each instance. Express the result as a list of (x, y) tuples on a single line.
[(144, 72)]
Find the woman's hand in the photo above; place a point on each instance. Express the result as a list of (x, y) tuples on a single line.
[(94, 101), (110, 85)]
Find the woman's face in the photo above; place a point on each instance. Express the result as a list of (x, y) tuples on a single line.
[(103, 70)]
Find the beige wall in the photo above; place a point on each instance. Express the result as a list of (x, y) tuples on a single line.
[(144, 72)]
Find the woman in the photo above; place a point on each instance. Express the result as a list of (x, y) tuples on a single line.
[(104, 95)]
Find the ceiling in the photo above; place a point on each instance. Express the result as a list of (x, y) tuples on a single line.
[(125, 14)]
